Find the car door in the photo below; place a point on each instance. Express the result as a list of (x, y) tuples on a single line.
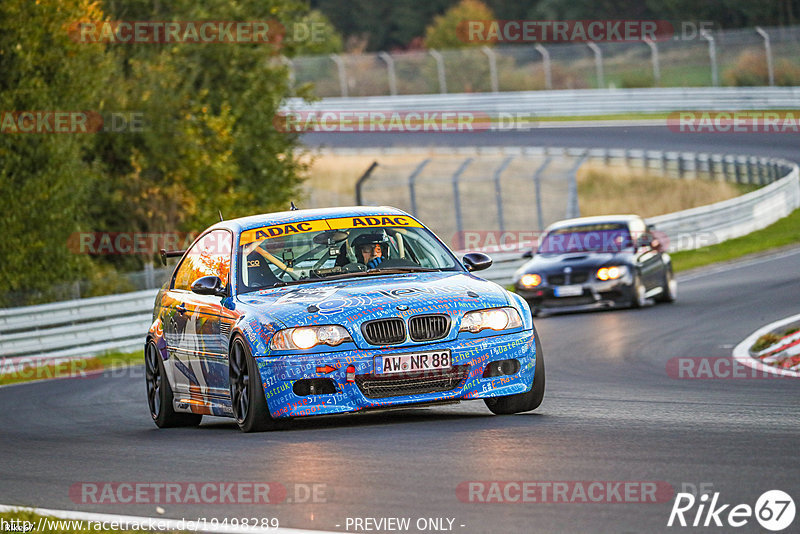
[(648, 259), (198, 350)]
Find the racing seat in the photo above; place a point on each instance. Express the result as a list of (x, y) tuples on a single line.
[(258, 272)]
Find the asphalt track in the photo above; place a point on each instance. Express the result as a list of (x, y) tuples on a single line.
[(611, 413)]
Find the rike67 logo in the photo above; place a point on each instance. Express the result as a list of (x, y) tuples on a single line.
[(774, 510)]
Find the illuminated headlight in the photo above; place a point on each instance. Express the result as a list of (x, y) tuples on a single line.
[(530, 280), (610, 273), (306, 337), (492, 319)]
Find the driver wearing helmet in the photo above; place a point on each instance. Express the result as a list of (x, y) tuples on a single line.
[(371, 249)]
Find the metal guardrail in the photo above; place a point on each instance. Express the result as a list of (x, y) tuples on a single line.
[(512, 105), (79, 328)]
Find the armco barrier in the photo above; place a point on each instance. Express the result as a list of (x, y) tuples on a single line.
[(566, 103), (90, 326)]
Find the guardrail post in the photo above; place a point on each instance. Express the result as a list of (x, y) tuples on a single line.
[(390, 71), (361, 181), (457, 201), (149, 276), (664, 164), (749, 170), (598, 63), (342, 73), (573, 208), (712, 55), (738, 170), (436, 55), (537, 185), (548, 72), (412, 184), (697, 166), (492, 67), (768, 50), (681, 168), (656, 64), (498, 192)]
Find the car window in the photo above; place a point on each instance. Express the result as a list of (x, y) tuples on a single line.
[(341, 252), (209, 256), (608, 237)]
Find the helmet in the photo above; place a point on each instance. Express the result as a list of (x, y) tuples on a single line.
[(370, 239)]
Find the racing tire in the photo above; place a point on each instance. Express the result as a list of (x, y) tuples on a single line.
[(638, 298), (522, 402), (669, 289), (159, 393), (247, 395)]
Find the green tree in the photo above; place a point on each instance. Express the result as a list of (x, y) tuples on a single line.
[(448, 30), (45, 179)]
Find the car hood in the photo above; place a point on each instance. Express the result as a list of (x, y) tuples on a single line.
[(356, 300), (548, 263)]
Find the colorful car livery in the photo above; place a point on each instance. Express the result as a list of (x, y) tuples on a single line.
[(314, 312)]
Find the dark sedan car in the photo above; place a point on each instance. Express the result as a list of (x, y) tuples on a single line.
[(596, 262)]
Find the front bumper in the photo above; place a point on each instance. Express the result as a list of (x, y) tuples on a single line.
[(470, 357), (594, 294)]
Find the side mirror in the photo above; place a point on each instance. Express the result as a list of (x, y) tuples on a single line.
[(477, 261), (209, 285), (527, 255)]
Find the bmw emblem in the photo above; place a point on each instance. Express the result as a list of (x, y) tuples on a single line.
[(567, 270), (402, 307)]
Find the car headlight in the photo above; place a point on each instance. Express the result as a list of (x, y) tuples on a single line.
[(306, 337), (493, 319), (610, 273), (530, 280)]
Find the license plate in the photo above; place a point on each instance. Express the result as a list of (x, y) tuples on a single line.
[(569, 291), (409, 363)]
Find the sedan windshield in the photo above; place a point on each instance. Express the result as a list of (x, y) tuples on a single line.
[(587, 238), (310, 256)]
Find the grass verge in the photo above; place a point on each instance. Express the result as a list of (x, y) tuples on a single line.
[(26, 371), (782, 233)]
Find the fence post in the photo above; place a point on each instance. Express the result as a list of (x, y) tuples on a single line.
[(440, 70), (548, 72), (457, 201), (342, 73), (712, 55), (360, 183), (573, 209), (492, 67), (498, 192), (656, 64), (768, 50), (390, 69), (412, 184), (538, 189), (290, 67), (598, 62)]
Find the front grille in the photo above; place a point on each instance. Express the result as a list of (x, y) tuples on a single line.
[(384, 331), (557, 302), (418, 383), (428, 327), (578, 278), (556, 279)]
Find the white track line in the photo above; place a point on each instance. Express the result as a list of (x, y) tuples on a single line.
[(144, 523), (741, 353)]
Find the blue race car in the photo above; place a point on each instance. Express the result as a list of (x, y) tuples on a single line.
[(327, 311)]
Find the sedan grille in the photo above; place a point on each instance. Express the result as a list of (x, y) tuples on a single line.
[(419, 383), (428, 327), (384, 331)]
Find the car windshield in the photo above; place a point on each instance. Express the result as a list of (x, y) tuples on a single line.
[(268, 257), (612, 237)]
